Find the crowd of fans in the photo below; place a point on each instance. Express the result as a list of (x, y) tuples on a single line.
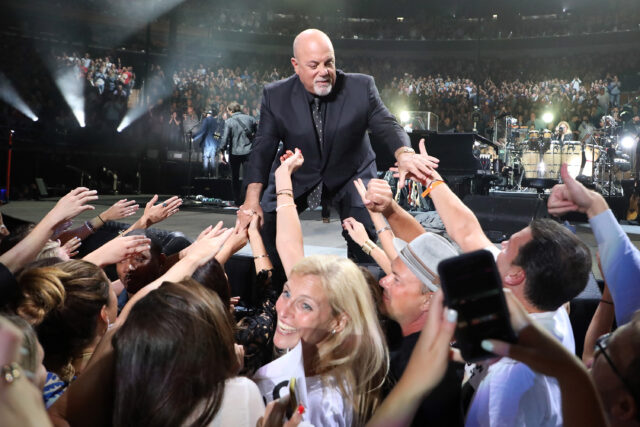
[(622, 15), (106, 86), (439, 87), (163, 342)]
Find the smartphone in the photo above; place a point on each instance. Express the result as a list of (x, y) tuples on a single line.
[(472, 286)]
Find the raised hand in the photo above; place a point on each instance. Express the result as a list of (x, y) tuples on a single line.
[(243, 218), (356, 230), (291, 161), (573, 196), (71, 205), (155, 213), (208, 245), (71, 246), (120, 209), (377, 197), (418, 167), (118, 249)]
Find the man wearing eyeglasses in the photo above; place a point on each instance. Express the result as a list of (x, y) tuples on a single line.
[(616, 373)]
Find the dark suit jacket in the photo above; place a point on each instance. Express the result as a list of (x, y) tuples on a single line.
[(209, 128), (353, 106)]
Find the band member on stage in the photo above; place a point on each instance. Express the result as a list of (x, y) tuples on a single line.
[(239, 133), (210, 134), (563, 132)]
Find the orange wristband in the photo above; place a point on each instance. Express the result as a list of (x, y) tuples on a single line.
[(431, 186)]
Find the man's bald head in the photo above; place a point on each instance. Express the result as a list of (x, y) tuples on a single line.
[(314, 61), (310, 36)]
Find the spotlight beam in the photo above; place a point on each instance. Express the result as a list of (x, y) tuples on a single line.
[(71, 87), (138, 111), (9, 95)]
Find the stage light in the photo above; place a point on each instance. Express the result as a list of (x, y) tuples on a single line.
[(71, 87), (495, 16), (547, 117), (141, 108), (627, 141), (9, 95), (541, 168), (405, 116)]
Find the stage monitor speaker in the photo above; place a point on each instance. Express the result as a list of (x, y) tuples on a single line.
[(42, 187), (213, 187), (502, 215)]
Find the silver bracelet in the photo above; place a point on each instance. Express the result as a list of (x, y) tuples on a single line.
[(383, 229)]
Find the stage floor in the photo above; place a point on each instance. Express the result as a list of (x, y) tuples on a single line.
[(319, 237)]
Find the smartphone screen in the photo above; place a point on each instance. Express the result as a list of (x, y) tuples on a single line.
[(472, 286)]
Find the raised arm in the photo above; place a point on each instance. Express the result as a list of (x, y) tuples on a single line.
[(620, 259), (359, 235), (260, 256), (383, 229), (288, 229), (459, 221), (199, 254), (379, 198), (120, 209), (67, 208), (153, 213)]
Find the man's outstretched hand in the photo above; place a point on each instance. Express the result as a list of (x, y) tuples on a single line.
[(419, 167)]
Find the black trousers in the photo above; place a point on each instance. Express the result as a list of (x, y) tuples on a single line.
[(236, 186)]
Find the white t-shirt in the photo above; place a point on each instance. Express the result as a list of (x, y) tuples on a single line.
[(331, 409), (242, 404), (512, 394)]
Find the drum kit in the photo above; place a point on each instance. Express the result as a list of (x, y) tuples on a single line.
[(531, 159)]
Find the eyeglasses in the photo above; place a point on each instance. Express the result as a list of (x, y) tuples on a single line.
[(601, 346)]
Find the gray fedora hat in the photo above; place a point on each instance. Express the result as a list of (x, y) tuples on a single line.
[(423, 254)]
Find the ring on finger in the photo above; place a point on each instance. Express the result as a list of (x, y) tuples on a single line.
[(164, 205)]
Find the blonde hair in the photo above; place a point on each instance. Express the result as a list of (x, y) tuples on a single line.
[(357, 356), (42, 290), (49, 250), (566, 127)]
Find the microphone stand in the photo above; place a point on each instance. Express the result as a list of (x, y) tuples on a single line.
[(189, 135)]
